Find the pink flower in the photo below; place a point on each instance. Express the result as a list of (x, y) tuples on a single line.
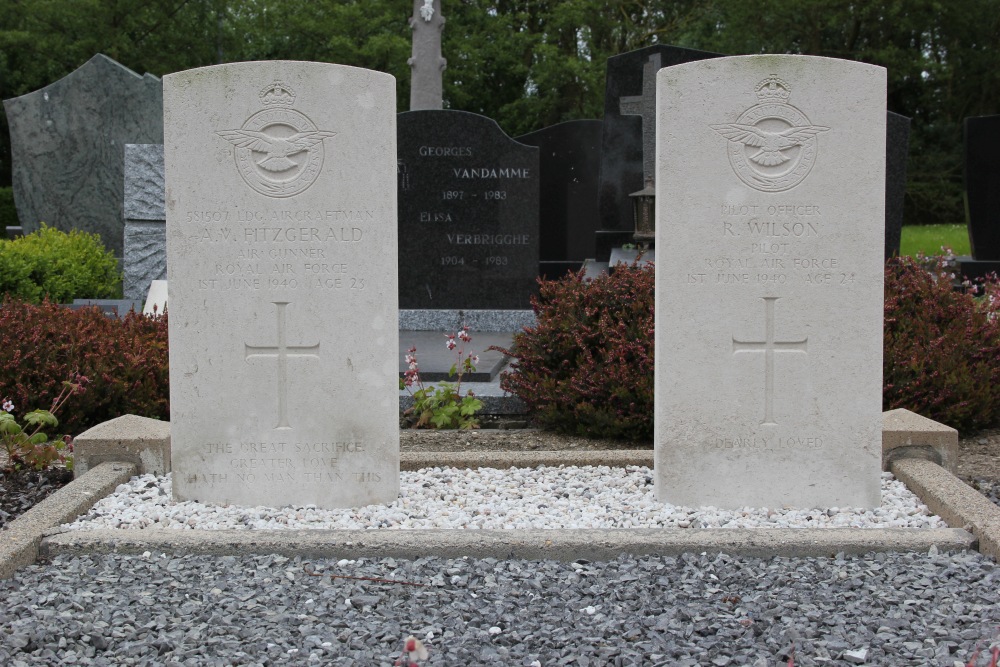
[(475, 358), (451, 343), (8, 406), (464, 336)]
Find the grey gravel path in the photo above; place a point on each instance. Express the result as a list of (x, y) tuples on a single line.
[(884, 609)]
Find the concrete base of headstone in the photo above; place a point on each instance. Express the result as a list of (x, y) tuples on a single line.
[(14, 231), (477, 320), (139, 440), (436, 360), (906, 434)]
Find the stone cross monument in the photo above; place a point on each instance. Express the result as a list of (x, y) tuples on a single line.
[(426, 63), (645, 106)]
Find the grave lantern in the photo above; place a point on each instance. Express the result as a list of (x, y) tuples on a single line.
[(644, 209)]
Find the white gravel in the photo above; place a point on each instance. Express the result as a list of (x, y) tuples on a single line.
[(488, 498)]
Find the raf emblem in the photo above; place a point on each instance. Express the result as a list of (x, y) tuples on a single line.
[(279, 151), (772, 145)]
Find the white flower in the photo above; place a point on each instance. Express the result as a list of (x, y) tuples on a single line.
[(8, 406)]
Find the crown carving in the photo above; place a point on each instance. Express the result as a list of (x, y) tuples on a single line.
[(277, 94), (772, 89)]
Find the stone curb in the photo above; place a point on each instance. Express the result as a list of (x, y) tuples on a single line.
[(20, 539), (618, 458), (564, 545), (953, 500)]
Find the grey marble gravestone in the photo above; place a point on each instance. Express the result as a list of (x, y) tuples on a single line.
[(426, 63), (145, 258), (67, 146), (468, 213)]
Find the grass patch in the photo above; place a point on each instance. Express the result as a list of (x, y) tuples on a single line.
[(928, 239)]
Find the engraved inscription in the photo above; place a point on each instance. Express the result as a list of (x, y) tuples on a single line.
[(292, 462), (772, 145), (278, 151), (758, 444), (281, 351), (769, 346), (776, 250)]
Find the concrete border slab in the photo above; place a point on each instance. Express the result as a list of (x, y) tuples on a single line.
[(564, 545), (20, 539), (975, 524), (139, 440), (953, 500), (499, 459), (906, 434)]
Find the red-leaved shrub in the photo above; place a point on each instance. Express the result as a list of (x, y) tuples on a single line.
[(942, 347), (587, 367), (124, 360)]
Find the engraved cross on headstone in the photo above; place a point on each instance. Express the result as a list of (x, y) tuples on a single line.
[(426, 63), (769, 347), (281, 351), (645, 105)]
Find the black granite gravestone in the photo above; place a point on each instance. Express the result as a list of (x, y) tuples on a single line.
[(897, 151), (570, 155), (468, 213), (627, 130), (982, 195)]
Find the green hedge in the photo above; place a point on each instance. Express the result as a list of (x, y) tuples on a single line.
[(58, 266)]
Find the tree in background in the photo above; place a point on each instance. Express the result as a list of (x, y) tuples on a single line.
[(532, 63)]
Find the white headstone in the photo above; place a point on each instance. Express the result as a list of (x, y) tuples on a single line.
[(156, 298), (281, 246), (770, 195)]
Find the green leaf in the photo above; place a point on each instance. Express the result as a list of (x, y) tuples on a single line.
[(9, 427), (41, 418), (471, 406), (38, 439)]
